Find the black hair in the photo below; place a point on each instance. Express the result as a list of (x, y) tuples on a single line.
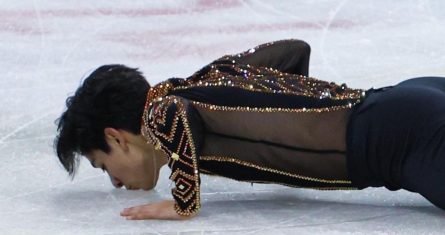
[(111, 96)]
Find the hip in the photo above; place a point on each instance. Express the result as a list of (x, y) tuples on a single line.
[(392, 124)]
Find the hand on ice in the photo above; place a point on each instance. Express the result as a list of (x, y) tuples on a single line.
[(159, 210)]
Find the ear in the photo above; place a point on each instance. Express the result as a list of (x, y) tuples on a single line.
[(116, 138)]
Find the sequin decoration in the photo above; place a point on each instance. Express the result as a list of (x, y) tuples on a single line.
[(271, 170), (176, 139), (268, 80), (226, 72)]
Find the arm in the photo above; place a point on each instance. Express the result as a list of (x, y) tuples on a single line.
[(289, 56), (176, 126), (186, 139)]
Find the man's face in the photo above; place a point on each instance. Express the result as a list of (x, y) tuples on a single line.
[(128, 163)]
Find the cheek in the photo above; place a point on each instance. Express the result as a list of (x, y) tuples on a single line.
[(142, 168), (132, 167), (119, 167)]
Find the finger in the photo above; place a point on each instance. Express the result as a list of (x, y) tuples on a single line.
[(126, 212), (131, 210), (134, 208), (140, 216), (143, 213)]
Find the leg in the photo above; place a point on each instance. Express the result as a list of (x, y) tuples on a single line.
[(400, 138)]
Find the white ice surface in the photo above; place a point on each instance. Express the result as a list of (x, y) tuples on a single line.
[(48, 46)]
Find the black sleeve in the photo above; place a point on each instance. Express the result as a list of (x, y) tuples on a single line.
[(289, 56), (176, 127)]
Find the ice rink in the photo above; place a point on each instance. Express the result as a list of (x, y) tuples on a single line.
[(47, 47)]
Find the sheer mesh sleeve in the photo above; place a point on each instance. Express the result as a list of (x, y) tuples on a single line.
[(176, 128), (289, 56)]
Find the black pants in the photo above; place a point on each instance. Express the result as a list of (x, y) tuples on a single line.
[(396, 138)]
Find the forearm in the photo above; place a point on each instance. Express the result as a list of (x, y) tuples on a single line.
[(177, 127)]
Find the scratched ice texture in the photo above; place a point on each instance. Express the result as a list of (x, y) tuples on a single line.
[(47, 47)]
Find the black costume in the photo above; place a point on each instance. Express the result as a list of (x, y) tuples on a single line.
[(396, 138), (257, 117)]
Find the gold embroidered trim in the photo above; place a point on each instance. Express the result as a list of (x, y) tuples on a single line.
[(185, 212), (207, 172), (266, 86), (269, 80), (251, 165), (269, 109), (210, 173), (150, 132), (183, 115)]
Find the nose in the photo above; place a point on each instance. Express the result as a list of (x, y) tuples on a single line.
[(115, 181)]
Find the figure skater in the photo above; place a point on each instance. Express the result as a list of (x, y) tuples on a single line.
[(255, 116)]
